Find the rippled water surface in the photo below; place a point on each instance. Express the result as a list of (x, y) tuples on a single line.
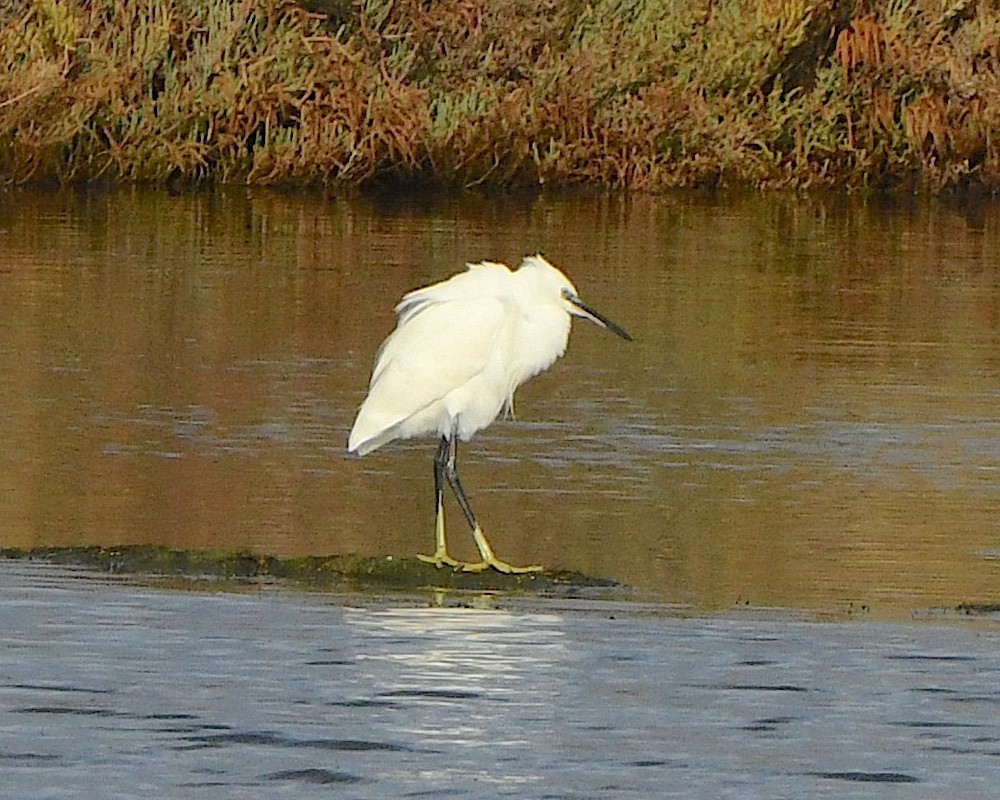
[(808, 416), (116, 691)]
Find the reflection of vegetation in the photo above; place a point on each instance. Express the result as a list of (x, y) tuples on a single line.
[(620, 93), (378, 573)]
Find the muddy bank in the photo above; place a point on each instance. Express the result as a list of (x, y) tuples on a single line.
[(388, 576), (326, 573)]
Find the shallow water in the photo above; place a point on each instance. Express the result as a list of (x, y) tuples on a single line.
[(807, 418), (116, 691)]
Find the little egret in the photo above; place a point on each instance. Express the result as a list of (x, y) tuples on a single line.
[(460, 349)]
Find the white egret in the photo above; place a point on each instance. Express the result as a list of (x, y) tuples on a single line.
[(460, 349)]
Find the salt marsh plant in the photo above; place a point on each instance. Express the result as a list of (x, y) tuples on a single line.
[(641, 94)]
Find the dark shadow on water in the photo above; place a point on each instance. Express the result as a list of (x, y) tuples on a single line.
[(768, 724), (434, 694), (26, 758), (316, 776), (274, 740), (40, 687), (928, 657), (361, 704), (750, 687), (867, 777), (71, 712)]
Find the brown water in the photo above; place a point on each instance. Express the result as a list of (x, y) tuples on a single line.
[(807, 418)]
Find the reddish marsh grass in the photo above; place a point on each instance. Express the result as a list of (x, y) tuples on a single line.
[(614, 93)]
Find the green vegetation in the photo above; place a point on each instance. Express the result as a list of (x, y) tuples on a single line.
[(897, 95), (339, 573)]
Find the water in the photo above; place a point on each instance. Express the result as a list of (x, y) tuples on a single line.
[(807, 418), (117, 691)]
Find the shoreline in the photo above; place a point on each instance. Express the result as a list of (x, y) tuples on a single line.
[(378, 578)]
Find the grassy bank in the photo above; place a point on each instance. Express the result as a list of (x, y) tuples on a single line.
[(644, 94), (328, 573)]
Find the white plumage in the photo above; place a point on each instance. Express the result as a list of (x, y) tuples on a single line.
[(459, 351)]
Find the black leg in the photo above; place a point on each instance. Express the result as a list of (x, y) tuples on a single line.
[(451, 473), (440, 557), (445, 469), (440, 461)]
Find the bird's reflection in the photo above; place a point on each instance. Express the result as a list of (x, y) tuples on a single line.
[(475, 667)]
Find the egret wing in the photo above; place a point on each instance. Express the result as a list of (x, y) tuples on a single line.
[(478, 282), (436, 348)]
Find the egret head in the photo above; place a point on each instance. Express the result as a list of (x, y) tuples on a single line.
[(557, 283)]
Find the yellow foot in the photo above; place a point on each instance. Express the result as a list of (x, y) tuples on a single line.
[(442, 559), (500, 566), (490, 559)]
